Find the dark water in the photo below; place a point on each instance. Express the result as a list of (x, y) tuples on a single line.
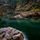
[(29, 27)]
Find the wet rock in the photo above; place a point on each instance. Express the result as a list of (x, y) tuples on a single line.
[(10, 34)]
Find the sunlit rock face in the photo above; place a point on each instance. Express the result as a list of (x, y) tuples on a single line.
[(10, 34)]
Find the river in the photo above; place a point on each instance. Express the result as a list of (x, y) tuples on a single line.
[(25, 37)]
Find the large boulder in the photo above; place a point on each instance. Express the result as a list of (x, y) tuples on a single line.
[(10, 34)]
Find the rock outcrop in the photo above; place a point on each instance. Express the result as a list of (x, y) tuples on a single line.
[(10, 34)]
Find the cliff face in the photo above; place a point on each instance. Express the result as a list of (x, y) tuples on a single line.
[(38, 0)]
